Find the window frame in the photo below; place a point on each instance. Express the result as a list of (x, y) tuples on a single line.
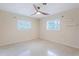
[(56, 23)]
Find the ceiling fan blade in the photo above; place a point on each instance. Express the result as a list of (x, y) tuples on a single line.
[(44, 13), (35, 7), (34, 13)]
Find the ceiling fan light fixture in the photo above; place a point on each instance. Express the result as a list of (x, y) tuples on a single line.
[(38, 13)]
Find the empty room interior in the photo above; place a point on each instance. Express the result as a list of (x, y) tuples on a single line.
[(39, 29)]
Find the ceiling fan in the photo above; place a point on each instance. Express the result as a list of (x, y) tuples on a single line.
[(37, 8)]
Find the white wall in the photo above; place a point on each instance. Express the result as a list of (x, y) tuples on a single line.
[(69, 30), (9, 33)]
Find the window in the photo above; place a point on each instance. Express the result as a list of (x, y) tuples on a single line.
[(23, 25), (53, 25)]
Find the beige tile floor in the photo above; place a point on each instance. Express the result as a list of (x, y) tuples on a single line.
[(38, 48)]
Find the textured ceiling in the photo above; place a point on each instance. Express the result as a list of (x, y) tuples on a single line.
[(27, 8)]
